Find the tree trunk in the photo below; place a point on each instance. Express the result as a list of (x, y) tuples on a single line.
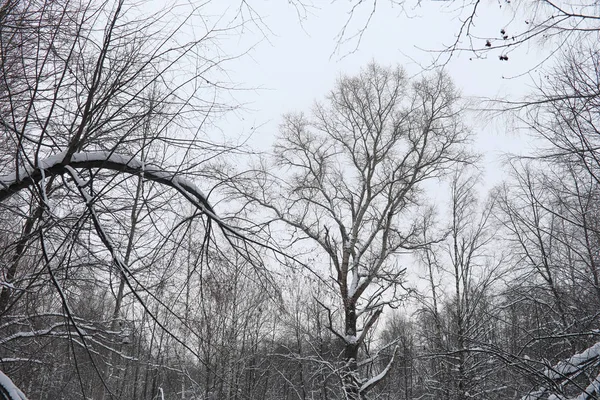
[(350, 375)]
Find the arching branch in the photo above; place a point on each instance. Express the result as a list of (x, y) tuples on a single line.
[(56, 165)]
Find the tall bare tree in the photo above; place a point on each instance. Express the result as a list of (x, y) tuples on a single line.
[(349, 186)]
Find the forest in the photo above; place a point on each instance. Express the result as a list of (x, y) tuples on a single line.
[(142, 256)]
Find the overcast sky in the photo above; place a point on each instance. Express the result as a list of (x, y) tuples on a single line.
[(293, 61)]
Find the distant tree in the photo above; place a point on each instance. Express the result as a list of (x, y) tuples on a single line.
[(456, 318), (405, 379)]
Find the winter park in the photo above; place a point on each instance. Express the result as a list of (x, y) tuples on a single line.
[(299, 200)]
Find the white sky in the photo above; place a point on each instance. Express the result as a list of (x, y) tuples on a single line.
[(295, 65)]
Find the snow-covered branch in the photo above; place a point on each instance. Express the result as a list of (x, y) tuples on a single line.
[(565, 371), (8, 390), (377, 378), (26, 176)]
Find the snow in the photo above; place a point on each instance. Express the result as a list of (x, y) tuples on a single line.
[(25, 171), (351, 339), (565, 369), (11, 389), (106, 156), (7, 285), (31, 334), (353, 284), (373, 381), (19, 359), (574, 363), (109, 160)]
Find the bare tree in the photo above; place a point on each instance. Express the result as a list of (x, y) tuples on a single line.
[(104, 107), (550, 223), (349, 187), (456, 317)]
